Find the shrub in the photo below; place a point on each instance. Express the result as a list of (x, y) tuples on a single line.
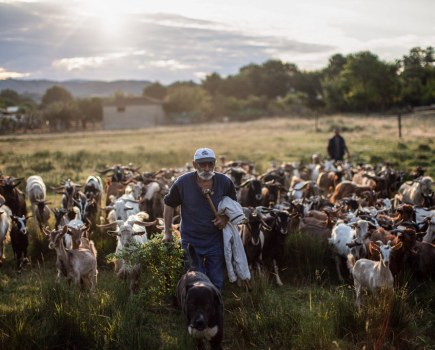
[(42, 167), (424, 147), (160, 278)]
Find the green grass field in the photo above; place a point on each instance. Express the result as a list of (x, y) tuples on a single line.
[(312, 311)]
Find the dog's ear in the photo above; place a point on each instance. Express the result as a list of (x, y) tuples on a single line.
[(182, 288), (184, 302), (218, 302), (218, 310)]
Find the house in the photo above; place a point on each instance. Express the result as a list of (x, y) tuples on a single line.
[(10, 119), (132, 113)]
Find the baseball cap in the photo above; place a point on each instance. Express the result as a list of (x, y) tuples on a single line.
[(204, 155)]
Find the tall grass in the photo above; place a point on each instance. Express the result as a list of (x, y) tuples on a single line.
[(307, 313)]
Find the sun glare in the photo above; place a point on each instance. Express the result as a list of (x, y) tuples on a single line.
[(108, 14)]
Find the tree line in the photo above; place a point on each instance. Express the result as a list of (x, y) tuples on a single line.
[(355, 83)]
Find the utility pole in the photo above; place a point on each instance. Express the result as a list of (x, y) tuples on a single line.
[(399, 124), (319, 99)]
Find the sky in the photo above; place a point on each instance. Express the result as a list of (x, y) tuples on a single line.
[(181, 40)]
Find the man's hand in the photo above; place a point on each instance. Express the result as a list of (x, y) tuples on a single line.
[(221, 221)]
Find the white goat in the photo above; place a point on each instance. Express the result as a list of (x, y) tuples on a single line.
[(374, 275), (78, 265), (75, 222), (5, 226), (341, 236), (415, 192), (78, 233), (429, 237), (123, 207), (422, 214), (36, 192), (94, 187), (131, 230)]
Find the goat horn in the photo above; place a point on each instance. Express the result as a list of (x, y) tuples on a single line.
[(112, 224), (132, 200), (128, 181), (113, 233), (245, 183), (14, 179), (46, 230), (105, 171), (145, 224)]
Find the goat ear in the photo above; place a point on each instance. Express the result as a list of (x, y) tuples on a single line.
[(46, 231), (373, 246), (397, 246)]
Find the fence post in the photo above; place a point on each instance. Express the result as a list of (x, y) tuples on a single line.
[(399, 122)]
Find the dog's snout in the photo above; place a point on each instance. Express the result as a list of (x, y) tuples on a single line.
[(199, 322)]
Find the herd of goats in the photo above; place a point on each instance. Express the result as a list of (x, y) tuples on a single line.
[(377, 220)]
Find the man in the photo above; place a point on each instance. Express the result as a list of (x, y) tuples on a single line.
[(199, 225), (337, 146)]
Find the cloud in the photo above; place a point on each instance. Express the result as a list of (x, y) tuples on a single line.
[(52, 40), (4, 74), (78, 63), (46, 40)]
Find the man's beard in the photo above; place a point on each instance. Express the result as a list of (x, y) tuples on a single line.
[(205, 175)]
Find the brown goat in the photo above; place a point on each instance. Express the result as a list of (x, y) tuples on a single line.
[(328, 181), (347, 189)]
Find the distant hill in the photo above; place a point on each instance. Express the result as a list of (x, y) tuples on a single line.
[(78, 88)]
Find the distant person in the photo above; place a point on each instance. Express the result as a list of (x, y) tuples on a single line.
[(337, 146)]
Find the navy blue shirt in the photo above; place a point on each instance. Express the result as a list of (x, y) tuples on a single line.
[(197, 227), (336, 147)]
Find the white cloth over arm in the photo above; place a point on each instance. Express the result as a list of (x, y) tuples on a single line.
[(235, 256)]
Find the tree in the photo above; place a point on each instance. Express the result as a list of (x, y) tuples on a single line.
[(91, 110), (59, 115), (10, 97), (332, 92), (309, 84), (418, 77), (155, 90), (335, 65), (238, 86), (363, 84), (276, 78), (56, 94), (187, 100), (271, 79), (212, 83)]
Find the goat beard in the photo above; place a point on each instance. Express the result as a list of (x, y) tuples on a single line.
[(205, 175)]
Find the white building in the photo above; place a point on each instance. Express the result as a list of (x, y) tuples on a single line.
[(132, 113)]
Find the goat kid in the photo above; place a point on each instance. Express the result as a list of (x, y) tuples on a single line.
[(132, 230), (19, 240), (77, 265), (374, 275), (342, 235), (5, 226)]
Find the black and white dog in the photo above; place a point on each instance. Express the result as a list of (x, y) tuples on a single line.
[(201, 303)]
